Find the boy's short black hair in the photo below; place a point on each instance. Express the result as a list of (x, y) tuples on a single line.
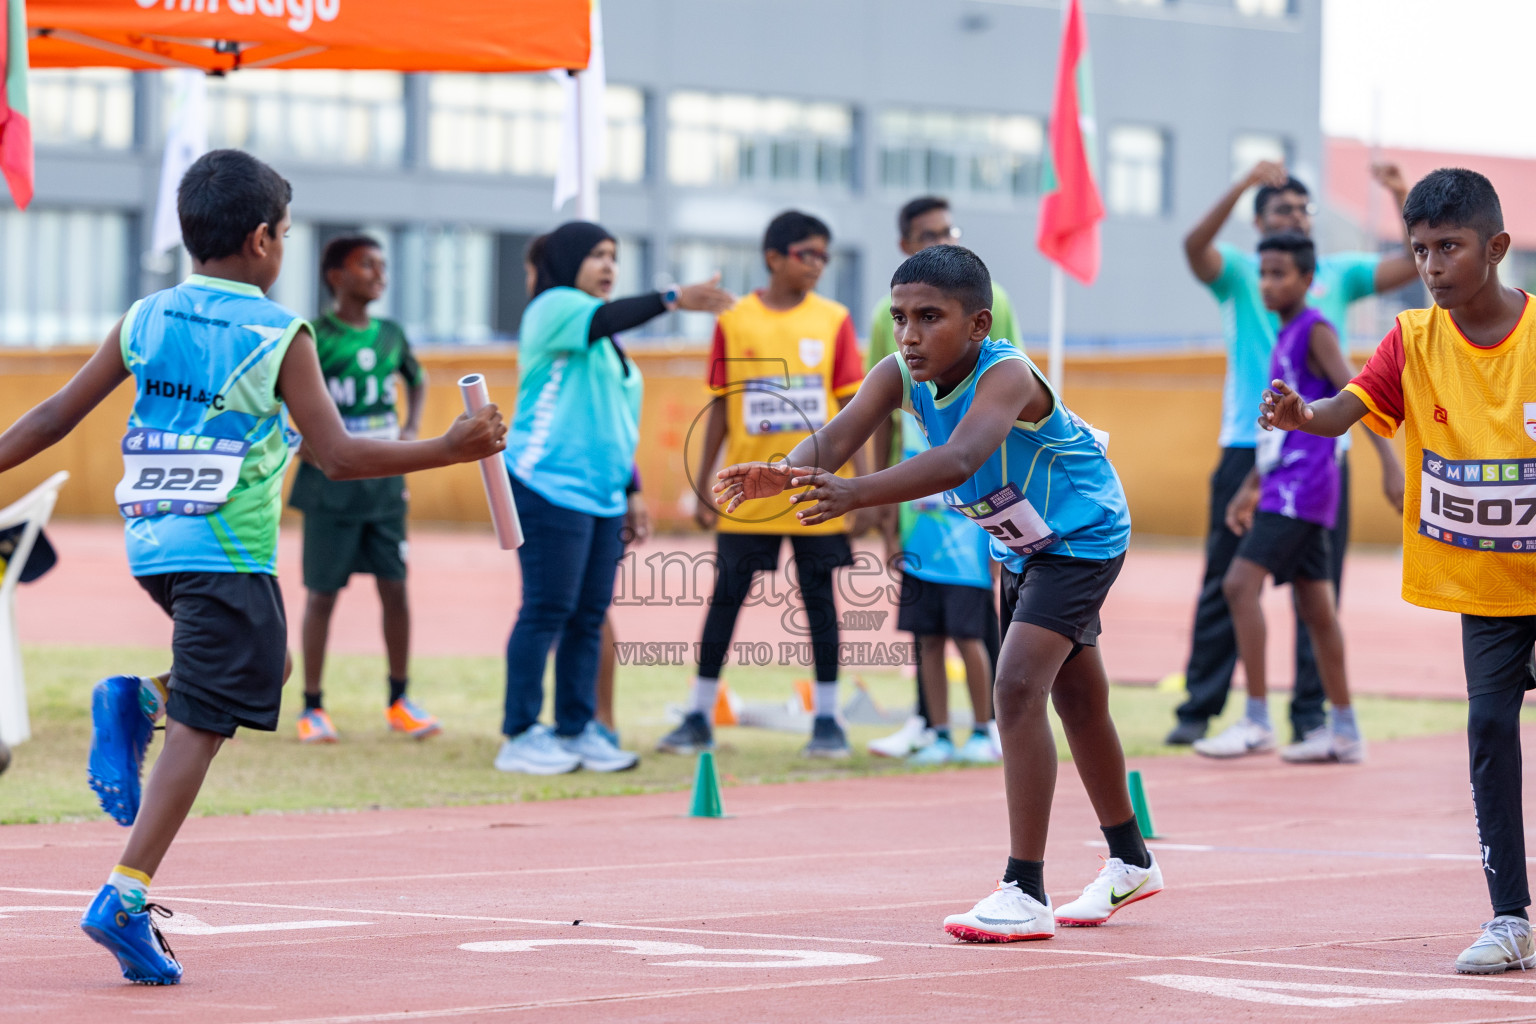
[(334, 255), (915, 209), (1301, 248), (225, 196), (792, 226), (1455, 197), (952, 269), (1265, 193)]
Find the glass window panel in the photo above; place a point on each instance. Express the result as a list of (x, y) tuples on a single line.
[(1136, 174), (88, 107), (442, 282), (740, 264), (725, 138), (322, 117), (1249, 148), (65, 275), (970, 155), (1264, 8)]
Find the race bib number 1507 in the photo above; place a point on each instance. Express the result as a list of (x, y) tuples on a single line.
[(1484, 505), (176, 474)]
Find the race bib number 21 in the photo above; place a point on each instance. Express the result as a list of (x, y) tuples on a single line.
[(1008, 516), (176, 474), (1482, 505)]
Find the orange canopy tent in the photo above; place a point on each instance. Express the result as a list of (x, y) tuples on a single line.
[(394, 35)]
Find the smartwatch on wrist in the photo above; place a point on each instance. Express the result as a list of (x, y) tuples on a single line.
[(669, 297)]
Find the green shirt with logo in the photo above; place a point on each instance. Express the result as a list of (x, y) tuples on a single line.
[(362, 370)]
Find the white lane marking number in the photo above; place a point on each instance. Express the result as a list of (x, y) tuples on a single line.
[(1300, 993), (710, 957)]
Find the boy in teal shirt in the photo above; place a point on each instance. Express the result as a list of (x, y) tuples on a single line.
[(214, 362)]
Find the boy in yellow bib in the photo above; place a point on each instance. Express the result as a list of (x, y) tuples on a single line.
[(1459, 377)]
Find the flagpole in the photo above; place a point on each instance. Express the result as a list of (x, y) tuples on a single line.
[(1056, 341)]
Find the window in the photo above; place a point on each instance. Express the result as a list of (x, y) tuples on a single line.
[(977, 155), (320, 117), (741, 270), (1142, 3), (1136, 179), (725, 138), (91, 107), (64, 275), (442, 280), (1265, 8), (510, 124), (1251, 147)]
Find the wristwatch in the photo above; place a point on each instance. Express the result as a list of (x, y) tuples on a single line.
[(669, 298)]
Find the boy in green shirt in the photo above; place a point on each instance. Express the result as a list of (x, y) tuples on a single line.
[(359, 525)]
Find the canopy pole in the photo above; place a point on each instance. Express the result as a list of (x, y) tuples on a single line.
[(1056, 342), (586, 171)]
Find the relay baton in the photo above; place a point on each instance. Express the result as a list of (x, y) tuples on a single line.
[(493, 472)]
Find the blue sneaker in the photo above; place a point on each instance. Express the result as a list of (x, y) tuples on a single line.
[(120, 732), (940, 751), (141, 951)]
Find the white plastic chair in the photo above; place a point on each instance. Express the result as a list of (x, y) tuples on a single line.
[(33, 510)]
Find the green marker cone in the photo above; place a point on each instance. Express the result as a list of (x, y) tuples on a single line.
[(706, 789), (1140, 806)]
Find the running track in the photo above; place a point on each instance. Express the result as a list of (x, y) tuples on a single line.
[(1295, 894)]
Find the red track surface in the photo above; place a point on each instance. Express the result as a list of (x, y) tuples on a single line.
[(466, 595), (1294, 894)]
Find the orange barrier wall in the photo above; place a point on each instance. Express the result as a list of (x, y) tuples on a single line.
[(1162, 413)]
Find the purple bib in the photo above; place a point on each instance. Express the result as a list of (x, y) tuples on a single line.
[(1300, 471)]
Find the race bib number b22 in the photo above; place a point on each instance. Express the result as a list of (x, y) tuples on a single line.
[(1008, 516), (1483, 505), (176, 474)]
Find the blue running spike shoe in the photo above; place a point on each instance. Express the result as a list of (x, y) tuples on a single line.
[(141, 951), (120, 732)]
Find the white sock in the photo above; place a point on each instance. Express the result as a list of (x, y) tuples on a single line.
[(705, 693), (826, 698), (132, 888), (152, 697)]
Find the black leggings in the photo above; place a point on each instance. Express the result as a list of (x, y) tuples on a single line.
[(1497, 657), (743, 556)]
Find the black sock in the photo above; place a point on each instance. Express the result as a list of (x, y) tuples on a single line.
[(941, 733), (1512, 913), (396, 688), (312, 701), (1030, 876), (1126, 843)]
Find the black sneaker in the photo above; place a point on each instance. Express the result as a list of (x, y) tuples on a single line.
[(1186, 733), (827, 739), (691, 737)]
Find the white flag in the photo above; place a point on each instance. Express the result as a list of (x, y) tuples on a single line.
[(186, 139), (583, 129)]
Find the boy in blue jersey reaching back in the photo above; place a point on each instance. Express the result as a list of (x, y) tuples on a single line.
[(1029, 472), (213, 361)]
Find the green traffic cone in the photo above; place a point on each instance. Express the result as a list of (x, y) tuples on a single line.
[(1140, 806), (706, 789)]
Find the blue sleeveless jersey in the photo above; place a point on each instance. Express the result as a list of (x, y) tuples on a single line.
[(204, 453), (1049, 488)]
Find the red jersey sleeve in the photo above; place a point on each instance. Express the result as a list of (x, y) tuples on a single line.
[(717, 374), (1380, 385), (847, 364)]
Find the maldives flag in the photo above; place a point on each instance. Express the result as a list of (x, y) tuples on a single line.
[(1070, 208), (15, 129)]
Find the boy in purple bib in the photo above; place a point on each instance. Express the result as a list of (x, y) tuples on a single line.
[(1284, 512)]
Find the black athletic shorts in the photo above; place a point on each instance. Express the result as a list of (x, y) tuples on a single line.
[(335, 547), (1289, 548), (1496, 653), (759, 552), (944, 609), (228, 649), (1060, 593)]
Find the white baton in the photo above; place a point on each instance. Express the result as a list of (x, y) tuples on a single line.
[(493, 472)]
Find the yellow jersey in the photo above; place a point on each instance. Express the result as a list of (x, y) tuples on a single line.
[(781, 374), (1469, 515)]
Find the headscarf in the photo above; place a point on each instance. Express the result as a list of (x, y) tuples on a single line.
[(564, 250)]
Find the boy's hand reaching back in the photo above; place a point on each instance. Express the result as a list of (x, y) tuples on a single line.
[(1282, 409)]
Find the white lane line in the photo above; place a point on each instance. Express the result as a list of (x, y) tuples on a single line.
[(1279, 851)]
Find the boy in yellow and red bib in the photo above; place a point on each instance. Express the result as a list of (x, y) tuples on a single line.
[(1458, 377)]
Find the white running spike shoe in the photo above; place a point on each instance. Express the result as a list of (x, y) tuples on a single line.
[(913, 736), (1505, 945), (1237, 740), (1007, 915), (1117, 885)]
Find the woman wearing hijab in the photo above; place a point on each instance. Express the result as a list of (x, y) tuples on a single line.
[(571, 454)]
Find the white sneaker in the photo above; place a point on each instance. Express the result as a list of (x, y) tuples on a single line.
[(596, 752), (535, 751), (1322, 746), (1238, 739), (1008, 915), (1117, 885), (914, 735), (1504, 945)]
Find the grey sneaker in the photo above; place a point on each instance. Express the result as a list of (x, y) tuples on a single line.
[(692, 736), (1186, 733), (595, 753), (1504, 945), (535, 751), (1322, 746), (827, 739)]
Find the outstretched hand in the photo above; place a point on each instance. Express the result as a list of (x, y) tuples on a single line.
[(1281, 408), (748, 480), (832, 494)]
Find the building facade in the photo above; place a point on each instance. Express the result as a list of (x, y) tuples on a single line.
[(719, 114)]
